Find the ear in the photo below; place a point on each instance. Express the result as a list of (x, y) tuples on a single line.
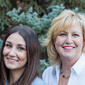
[(53, 42)]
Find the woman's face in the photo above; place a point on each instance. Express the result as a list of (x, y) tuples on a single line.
[(69, 43), (14, 52)]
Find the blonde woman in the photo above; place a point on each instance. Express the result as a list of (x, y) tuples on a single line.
[(65, 46)]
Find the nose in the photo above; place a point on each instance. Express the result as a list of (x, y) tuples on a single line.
[(12, 52), (69, 39)]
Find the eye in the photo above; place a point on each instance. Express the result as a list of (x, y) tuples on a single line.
[(8, 45), (76, 35), (62, 34), (21, 48)]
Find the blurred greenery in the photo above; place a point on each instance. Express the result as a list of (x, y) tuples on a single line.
[(43, 65), (32, 19), (1, 42)]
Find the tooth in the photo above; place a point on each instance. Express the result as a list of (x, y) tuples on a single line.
[(68, 47)]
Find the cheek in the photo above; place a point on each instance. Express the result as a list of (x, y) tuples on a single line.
[(23, 56), (5, 51), (24, 59), (80, 42), (58, 43), (4, 54)]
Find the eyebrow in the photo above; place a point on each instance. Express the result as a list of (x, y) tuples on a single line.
[(8, 42), (63, 32), (18, 44), (22, 45)]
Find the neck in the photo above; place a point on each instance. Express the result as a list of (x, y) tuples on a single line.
[(66, 65), (15, 75), (66, 69)]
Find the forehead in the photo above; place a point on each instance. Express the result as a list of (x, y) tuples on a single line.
[(16, 38), (73, 28)]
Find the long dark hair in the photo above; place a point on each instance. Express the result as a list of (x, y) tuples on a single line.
[(33, 55)]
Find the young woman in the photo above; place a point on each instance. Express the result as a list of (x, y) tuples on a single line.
[(20, 57), (65, 46)]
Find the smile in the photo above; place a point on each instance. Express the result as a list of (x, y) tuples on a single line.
[(11, 59), (68, 48)]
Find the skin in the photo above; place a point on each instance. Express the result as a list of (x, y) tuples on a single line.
[(15, 56), (69, 44)]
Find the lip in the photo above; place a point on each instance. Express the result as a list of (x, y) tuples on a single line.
[(68, 48)]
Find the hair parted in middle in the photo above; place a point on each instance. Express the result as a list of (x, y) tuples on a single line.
[(33, 56)]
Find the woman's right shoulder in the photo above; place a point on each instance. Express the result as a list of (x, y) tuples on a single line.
[(38, 81), (49, 75), (48, 72), (48, 69)]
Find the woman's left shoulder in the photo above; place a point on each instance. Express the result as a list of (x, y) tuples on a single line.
[(38, 81)]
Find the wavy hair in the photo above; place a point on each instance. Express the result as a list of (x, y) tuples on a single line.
[(65, 20)]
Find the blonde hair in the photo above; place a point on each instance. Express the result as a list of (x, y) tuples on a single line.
[(65, 20)]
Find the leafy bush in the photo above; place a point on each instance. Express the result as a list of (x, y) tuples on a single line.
[(32, 19), (1, 41), (3, 22), (43, 65), (4, 6)]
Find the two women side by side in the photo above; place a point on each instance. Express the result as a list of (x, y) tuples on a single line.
[(20, 57), (65, 46)]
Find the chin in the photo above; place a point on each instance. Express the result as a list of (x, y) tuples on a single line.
[(68, 56), (10, 67)]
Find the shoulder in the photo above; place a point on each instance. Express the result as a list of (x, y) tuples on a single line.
[(49, 74), (38, 81), (48, 71)]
